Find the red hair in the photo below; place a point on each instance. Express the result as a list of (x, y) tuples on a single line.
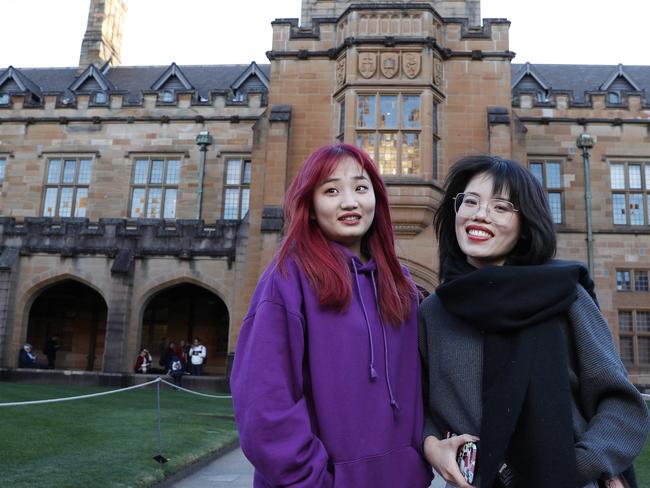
[(324, 263)]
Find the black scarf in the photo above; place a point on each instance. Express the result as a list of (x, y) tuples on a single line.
[(521, 310)]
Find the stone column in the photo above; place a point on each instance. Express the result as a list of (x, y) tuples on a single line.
[(119, 313), (8, 278)]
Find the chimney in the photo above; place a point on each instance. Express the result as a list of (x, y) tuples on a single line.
[(103, 39)]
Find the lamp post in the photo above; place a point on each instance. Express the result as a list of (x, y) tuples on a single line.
[(203, 140), (586, 142)]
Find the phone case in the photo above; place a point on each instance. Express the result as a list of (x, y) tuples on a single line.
[(466, 459)]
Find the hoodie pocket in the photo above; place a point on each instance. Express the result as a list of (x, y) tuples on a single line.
[(402, 467)]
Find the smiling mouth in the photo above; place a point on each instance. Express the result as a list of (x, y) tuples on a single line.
[(350, 218), (479, 233)]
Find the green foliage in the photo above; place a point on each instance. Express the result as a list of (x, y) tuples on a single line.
[(108, 441)]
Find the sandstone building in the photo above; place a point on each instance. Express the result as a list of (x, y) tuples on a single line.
[(124, 225)]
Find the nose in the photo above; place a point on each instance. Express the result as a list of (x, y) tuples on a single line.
[(349, 200), (482, 213)]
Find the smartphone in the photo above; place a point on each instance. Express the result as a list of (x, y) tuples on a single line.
[(466, 458)]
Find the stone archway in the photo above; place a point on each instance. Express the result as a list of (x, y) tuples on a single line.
[(76, 314), (182, 312)]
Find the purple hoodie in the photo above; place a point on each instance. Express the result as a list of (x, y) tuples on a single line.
[(328, 399)]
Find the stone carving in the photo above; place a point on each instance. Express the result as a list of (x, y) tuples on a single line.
[(437, 71), (367, 64), (412, 63), (340, 71), (389, 64)]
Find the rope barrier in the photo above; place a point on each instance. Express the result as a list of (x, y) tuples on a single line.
[(82, 397), (194, 392)]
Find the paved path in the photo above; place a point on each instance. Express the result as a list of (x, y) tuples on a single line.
[(232, 471)]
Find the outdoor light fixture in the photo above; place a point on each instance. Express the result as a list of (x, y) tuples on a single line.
[(203, 140), (586, 142)]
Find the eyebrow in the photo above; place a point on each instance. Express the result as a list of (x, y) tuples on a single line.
[(330, 180), (504, 199)]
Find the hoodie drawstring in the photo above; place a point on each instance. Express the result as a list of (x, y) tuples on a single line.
[(393, 402), (373, 372)]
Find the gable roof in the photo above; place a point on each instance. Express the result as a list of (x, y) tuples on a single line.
[(252, 70), (172, 72), (619, 72), (92, 73), (23, 81), (529, 70), (580, 79), (134, 80)]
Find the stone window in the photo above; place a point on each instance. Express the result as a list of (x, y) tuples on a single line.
[(236, 188), (625, 278), (634, 337), (3, 169), (388, 128), (66, 187), (5, 98), (641, 280), (167, 96), (341, 133), (630, 185), (100, 97), (154, 187), (436, 141), (549, 174)]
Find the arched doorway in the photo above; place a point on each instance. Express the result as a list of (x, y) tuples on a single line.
[(183, 312), (76, 314)]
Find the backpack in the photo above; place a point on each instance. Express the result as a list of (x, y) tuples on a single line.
[(176, 367)]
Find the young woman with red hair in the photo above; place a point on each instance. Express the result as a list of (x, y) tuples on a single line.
[(326, 379)]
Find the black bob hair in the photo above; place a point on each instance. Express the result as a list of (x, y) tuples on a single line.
[(537, 243)]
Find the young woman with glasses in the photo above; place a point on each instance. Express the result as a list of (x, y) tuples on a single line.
[(518, 358), (326, 381)]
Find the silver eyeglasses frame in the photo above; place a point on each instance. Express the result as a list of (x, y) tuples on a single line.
[(496, 217)]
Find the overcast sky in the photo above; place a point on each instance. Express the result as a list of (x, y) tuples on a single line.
[(39, 33)]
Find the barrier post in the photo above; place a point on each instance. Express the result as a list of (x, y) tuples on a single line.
[(159, 457)]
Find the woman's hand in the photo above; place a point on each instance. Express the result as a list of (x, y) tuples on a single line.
[(441, 454), (616, 482)]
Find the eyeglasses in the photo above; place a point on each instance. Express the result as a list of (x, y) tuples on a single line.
[(499, 211)]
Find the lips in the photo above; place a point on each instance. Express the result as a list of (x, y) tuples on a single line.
[(350, 218), (478, 233)]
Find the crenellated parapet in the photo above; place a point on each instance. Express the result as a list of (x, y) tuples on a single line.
[(119, 239)]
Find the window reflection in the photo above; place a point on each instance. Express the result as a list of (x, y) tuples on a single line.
[(395, 142), (366, 111)]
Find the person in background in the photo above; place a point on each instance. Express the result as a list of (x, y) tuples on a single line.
[(167, 355), (176, 370), (326, 378), (516, 350), (27, 358), (143, 361), (181, 353), (50, 349), (198, 353)]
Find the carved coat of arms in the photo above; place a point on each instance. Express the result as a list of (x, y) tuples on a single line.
[(367, 64), (411, 63), (389, 64), (437, 71), (340, 71)]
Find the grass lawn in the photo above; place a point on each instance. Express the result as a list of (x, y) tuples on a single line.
[(107, 441), (642, 465)]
